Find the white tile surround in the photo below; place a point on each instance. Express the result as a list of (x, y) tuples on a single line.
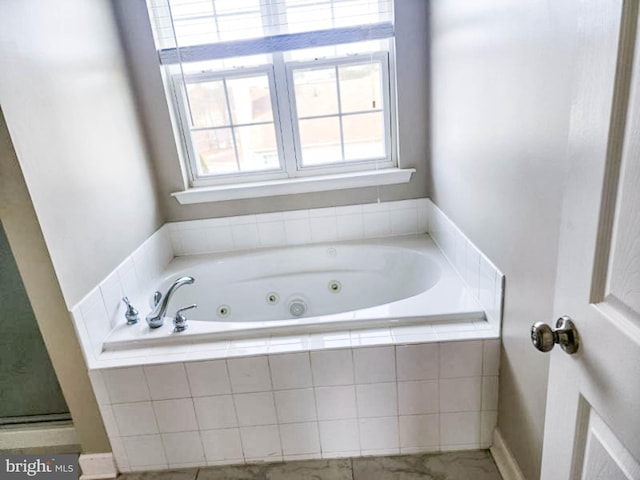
[(361, 392), (482, 277), (389, 399)]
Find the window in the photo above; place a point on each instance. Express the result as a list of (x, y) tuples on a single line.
[(231, 125), (278, 89)]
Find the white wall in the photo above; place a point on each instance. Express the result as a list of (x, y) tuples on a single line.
[(411, 50), (70, 113), (500, 102), (39, 278)]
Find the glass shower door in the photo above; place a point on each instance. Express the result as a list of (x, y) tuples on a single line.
[(29, 389)]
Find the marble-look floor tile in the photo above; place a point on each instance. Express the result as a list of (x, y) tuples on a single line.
[(235, 472), (185, 474), (466, 465), (339, 469), (471, 465)]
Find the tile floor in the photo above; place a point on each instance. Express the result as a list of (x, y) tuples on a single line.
[(467, 465)]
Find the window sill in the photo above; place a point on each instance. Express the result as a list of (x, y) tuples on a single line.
[(370, 178)]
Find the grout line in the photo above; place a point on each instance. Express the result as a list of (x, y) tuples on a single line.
[(235, 411), (275, 408), (355, 394), (353, 472), (395, 359)]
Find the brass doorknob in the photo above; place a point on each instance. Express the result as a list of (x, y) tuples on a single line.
[(544, 337)]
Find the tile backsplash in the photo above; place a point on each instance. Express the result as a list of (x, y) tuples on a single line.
[(99, 311), (484, 280), (300, 226), (404, 217)]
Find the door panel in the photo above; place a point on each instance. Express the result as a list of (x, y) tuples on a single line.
[(603, 455), (623, 285), (591, 428)]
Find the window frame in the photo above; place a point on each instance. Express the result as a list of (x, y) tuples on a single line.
[(285, 119), (180, 95), (388, 160)]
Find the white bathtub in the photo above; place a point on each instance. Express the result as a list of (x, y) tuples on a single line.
[(346, 285), (399, 304)]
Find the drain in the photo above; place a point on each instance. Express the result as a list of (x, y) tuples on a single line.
[(297, 307), (223, 311), (272, 298), (335, 286)]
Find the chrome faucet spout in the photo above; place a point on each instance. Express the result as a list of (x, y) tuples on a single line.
[(156, 316)]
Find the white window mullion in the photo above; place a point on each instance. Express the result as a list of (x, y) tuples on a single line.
[(284, 96), (333, 16), (231, 125), (281, 139), (339, 110), (215, 18), (275, 14), (391, 119), (179, 91)]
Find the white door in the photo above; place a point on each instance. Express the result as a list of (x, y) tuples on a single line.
[(592, 425)]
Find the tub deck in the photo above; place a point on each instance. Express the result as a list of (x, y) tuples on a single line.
[(445, 311)]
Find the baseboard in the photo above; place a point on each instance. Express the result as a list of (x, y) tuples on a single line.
[(505, 462), (96, 466), (37, 436)]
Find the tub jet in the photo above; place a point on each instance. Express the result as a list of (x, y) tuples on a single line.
[(297, 307)]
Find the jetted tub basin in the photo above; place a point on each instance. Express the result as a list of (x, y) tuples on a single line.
[(281, 291)]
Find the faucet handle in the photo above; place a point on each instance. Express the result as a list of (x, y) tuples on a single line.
[(157, 296), (131, 314), (180, 321)]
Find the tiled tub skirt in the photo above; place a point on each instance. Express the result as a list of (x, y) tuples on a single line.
[(328, 403)]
